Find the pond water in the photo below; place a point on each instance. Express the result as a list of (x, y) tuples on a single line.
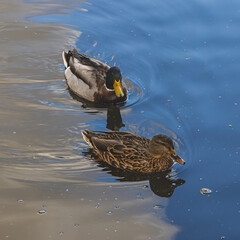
[(181, 62)]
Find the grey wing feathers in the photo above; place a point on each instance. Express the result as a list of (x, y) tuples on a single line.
[(84, 68), (81, 71)]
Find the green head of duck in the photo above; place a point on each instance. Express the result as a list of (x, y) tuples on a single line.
[(114, 81)]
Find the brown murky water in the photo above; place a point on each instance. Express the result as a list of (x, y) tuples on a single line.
[(41, 165)]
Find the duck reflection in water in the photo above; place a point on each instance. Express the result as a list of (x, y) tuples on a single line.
[(114, 118), (162, 184)]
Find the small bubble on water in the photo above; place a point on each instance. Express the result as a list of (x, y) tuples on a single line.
[(157, 206), (42, 211), (139, 196), (95, 44), (14, 132), (110, 212), (67, 189), (118, 221), (205, 191), (76, 225), (61, 233), (222, 237), (20, 200)]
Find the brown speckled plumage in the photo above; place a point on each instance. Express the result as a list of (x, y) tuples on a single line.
[(128, 151)]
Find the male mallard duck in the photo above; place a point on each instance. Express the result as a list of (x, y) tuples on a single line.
[(131, 152), (93, 80)]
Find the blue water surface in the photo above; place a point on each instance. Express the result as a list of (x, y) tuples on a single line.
[(183, 57)]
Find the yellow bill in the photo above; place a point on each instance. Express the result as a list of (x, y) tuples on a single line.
[(118, 88)]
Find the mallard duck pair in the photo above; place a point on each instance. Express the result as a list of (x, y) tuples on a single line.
[(97, 82)]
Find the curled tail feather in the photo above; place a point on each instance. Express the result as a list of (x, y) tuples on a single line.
[(66, 57)]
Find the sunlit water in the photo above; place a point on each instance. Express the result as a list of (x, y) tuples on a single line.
[(181, 63)]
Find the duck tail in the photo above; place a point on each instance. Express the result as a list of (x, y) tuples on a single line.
[(87, 135), (66, 57)]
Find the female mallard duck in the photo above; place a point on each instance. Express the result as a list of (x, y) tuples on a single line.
[(131, 152), (93, 80)]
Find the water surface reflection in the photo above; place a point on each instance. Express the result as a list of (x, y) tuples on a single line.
[(162, 184), (114, 118), (183, 56)]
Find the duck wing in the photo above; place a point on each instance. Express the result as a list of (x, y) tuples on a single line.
[(120, 154), (124, 137), (85, 68), (105, 144)]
